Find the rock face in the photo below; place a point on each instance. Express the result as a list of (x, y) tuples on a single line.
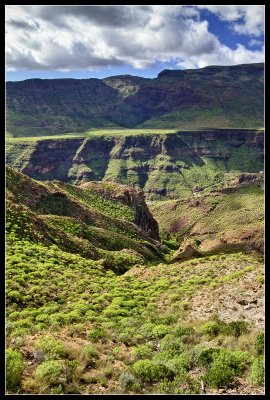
[(187, 251), (163, 165), (225, 96)]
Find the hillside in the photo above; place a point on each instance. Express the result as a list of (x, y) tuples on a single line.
[(106, 222), (164, 165), (214, 96), (226, 220)]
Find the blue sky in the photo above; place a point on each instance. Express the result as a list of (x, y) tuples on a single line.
[(101, 41)]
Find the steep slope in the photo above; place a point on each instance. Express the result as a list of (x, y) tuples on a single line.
[(100, 221), (168, 165), (226, 220), (215, 96)]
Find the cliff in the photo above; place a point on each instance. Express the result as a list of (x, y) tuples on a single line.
[(162, 165)]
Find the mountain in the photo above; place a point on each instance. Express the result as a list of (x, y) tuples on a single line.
[(163, 165), (214, 96)]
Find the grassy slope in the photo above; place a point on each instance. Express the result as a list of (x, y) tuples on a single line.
[(220, 221), (149, 313)]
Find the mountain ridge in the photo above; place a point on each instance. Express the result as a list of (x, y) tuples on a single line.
[(214, 96)]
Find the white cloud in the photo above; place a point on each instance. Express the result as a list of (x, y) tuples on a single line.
[(92, 37), (246, 20)]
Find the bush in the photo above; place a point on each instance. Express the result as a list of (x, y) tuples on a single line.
[(160, 331), (127, 380), (236, 328), (49, 372), (257, 371), (206, 356), (147, 371), (88, 355), (259, 343), (52, 348), (219, 375), (178, 364), (211, 328), (14, 369), (226, 365), (97, 334), (142, 351)]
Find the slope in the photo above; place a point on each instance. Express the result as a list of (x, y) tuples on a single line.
[(100, 221)]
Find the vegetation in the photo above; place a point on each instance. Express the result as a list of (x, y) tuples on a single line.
[(119, 321)]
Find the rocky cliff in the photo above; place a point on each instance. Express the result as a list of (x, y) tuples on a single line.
[(163, 165)]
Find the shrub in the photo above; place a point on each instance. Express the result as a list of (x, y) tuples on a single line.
[(257, 371), (14, 369), (178, 364), (219, 375), (142, 351), (211, 328), (49, 372), (146, 330), (160, 331), (226, 365), (52, 348), (88, 355), (236, 328), (147, 371), (127, 380), (206, 356), (182, 384), (259, 343), (97, 334)]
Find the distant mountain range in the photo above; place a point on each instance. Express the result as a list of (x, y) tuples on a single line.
[(214, 96)]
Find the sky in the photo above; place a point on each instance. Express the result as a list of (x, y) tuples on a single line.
[(101, 41)]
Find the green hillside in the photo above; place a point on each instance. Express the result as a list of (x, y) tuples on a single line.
[(95, 304), (214, 96)]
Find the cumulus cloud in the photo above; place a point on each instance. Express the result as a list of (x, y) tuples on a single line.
[(247, 20), (92, 37)]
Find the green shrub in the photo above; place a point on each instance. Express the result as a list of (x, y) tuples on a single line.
[(206, 356), (97, 334), (160, 331), (88, 355), (147, 371), (172, 344), (219, 375), (257, 371), (211, 328), (178, 364), (226, 365), (14, 369), (146, 330), (52, 348), (236, 328), (259, 343), (49, 372), (142, 351)]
